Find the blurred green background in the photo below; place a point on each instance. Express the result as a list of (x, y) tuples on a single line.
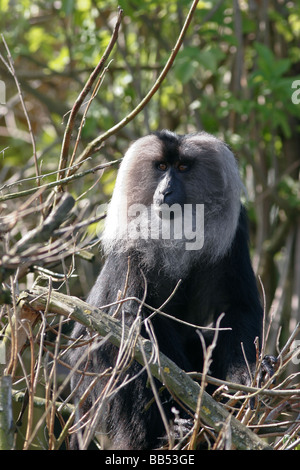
[(233, 77)]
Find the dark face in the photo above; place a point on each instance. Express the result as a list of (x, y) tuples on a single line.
[(188, 178), (170, 189), (170, 170), (166, 168), (183, 171)]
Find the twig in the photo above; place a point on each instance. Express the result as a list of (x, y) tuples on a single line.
[(98, 85), (10, 67), (206, 365), (40, 177), (38, 402), (53, 184), (81, 98), (94, 144), (180, 383), (247, 388), (30, 389), (160, 312), (43, 232)]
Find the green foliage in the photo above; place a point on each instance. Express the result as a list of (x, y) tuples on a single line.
[(230, 78), (55, 45), (64, 39), (233, 77), (289, 189)]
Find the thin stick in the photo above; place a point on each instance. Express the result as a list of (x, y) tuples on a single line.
[(94, 145), (31, 389), (53, 184), (82, 96), (206, 365), (212, 413), (10, 67), (98, 85)]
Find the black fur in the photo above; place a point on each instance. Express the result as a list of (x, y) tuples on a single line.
[(208, 290)]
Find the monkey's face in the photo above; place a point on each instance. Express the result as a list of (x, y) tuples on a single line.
[(167, 169), (170, 177)]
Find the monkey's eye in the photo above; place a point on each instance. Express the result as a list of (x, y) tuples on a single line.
[(182, 167), (162, 166)]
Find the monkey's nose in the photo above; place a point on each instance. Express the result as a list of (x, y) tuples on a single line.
[(167, 191), (168, 197)]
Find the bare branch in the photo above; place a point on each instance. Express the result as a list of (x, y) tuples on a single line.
[(95, 144), (183, 387), (10, 67), (54, 184), (82, 96)]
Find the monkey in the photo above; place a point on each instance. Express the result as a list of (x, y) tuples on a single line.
[(176, 235)]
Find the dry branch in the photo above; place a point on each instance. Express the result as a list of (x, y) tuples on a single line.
[(181, 385), (82, 96), (25, 252), (95, 144), (53, 184), (31, 249), (43, 232)]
